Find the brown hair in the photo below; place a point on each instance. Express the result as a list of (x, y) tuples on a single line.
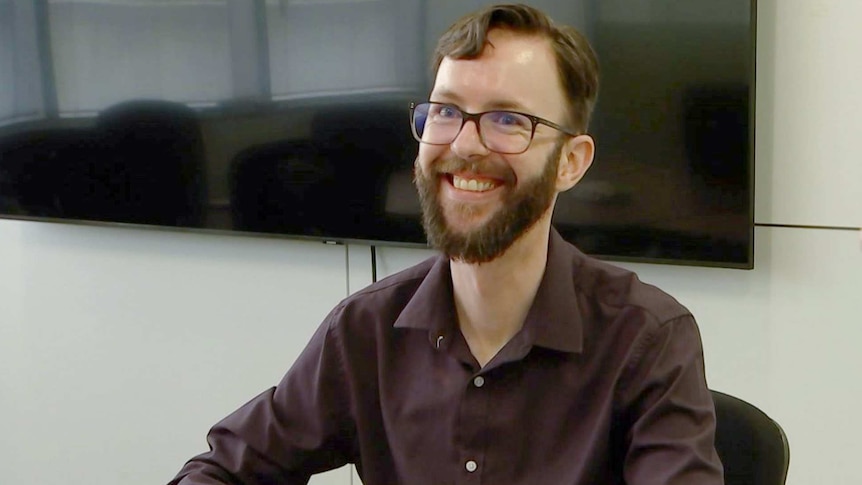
[(577, 65)]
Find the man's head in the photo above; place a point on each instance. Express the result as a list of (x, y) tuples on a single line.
[(484, 181), (576, 64)]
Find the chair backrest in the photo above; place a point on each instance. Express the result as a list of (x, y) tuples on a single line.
[(283, 187), (752, 446), (153, 166), (43, 171)]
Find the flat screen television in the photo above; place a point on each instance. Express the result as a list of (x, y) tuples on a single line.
[(289, 118)]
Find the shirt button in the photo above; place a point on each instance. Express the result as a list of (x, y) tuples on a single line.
[(471, 466), (478, 381)]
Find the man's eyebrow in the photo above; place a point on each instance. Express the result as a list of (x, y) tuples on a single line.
[(509, 106), (448, 97)]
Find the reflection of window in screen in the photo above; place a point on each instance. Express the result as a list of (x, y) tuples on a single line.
[(20, 82), (108, 51), (325, 47)]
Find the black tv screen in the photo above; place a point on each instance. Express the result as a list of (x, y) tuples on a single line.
[(289, 118)]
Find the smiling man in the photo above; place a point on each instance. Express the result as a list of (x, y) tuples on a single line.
[(511, 358), (488, 181)]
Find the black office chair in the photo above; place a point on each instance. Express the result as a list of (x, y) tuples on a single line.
[(153, 163), (752, 447), (283, 187), (44, 172), (364, 142)]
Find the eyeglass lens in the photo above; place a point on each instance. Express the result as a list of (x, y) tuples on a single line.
[(500, 131)]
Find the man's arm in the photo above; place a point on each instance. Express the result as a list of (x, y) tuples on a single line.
[(669, 408), (286, 434)]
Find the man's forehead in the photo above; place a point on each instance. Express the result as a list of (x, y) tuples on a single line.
[(517, 47), (514, 71)]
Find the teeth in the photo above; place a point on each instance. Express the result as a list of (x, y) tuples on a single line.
[(472, 185)]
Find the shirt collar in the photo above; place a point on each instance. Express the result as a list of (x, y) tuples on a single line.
[(432, 306), (553, 321)]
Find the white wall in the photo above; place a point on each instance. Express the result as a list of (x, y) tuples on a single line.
[(120, 347), (809, 100)]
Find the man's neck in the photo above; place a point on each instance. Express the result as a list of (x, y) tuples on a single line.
[(492, 299)]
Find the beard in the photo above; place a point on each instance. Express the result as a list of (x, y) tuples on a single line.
[(521, 208)]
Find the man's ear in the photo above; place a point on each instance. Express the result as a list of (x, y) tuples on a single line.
[(575, 160)]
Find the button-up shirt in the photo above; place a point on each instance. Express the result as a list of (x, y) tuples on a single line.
[(604, 384)]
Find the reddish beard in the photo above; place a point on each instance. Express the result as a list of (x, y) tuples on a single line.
[(521, 208)]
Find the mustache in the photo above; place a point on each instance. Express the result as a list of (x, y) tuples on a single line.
[(454, 164)]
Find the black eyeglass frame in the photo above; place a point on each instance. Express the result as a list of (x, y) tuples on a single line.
[(465, 117)]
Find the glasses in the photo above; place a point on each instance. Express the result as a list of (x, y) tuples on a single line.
[(506, 132)]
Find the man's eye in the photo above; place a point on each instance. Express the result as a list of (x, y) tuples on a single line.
[(447, 112), (513, 120)]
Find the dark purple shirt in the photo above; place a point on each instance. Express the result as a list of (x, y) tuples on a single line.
[(604, 384)]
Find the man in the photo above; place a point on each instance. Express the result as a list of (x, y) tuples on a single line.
[(512, 358)]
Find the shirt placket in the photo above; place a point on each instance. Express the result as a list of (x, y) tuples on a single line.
[(473, 418)]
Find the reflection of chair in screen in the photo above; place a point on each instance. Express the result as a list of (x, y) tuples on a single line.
[(716, 134), (753, 448), (364, 143), (153, 163), (46, 172), (282, 187)]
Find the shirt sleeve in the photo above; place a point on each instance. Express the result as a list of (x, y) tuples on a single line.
[(669, 409), (289, 432)]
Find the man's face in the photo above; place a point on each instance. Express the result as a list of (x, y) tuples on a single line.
[(475, 202)]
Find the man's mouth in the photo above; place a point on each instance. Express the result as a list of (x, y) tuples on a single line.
[(472, 184)]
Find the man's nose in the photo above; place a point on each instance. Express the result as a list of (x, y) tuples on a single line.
[(468, 143)]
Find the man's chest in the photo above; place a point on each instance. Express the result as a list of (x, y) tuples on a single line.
[(546, 415)]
